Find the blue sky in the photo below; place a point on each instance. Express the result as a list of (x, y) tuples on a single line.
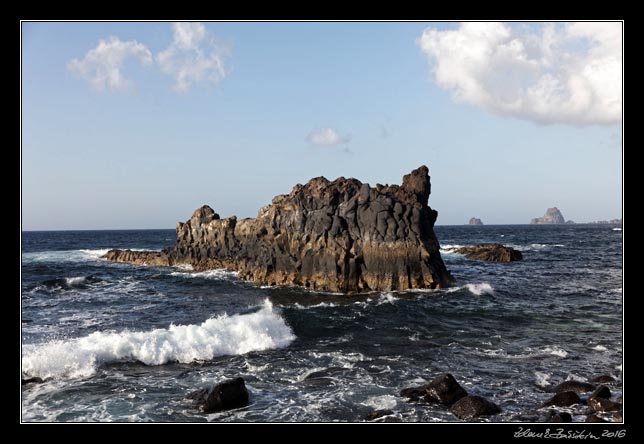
[(161, 118)]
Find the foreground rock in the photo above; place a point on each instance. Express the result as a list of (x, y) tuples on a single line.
[(552, 216), (473, 407), (475, 221), (601, 392), (378, 414), (491, 252), (333, 236), (226, 395), (563, 399), (603, 379), (555, 416), (443, 389), (574, 386), (603, 405), (35, 380)]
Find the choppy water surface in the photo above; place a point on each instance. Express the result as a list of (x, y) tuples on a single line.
[(117, 342)]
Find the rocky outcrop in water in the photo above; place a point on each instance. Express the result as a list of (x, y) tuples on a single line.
[(491, 252), (563, 399), (475, 221), (574, 386), (473, 407), (226, 395), (333, 236), (552, 216)]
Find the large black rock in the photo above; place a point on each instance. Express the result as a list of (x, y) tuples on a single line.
[(574, 386), (340, 235), (563, 399), (444, 389), (474, 406), (226, 395)]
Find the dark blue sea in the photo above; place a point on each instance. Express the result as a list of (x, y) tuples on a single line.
[(116, 342)]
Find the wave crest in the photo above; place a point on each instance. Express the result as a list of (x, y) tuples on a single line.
[(221, 335)]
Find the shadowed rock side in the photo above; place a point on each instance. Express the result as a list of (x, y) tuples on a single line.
[(491, 252), (552, 216), (332, 236)]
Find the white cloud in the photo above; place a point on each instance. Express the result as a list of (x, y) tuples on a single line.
[(327, 137), (193, 56), (559, 73), (102, 66)]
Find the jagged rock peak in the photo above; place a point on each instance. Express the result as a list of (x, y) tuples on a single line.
[(552, 216), (333, 236)]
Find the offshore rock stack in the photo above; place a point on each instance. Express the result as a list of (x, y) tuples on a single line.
[(341, 236)]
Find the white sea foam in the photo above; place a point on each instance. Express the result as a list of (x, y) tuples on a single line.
[(542, 378), (450, 248), (386, 298), (480, 289), (73, 281), (221, 335), (83, 255), (382, 402), (600, 348), (617, 229), (217, 274), (320, 305), (573, 377), (556, 351)]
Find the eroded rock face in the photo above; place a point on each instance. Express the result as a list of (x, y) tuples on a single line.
[(333, 236), (491, 252)]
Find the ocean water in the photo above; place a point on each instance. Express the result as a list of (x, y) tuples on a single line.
[(116, 342)]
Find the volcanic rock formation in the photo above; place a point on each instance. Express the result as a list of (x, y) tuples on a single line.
[(552, 216), (331, 236), (491, 252)]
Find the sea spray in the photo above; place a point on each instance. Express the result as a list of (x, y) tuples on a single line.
[(221, 335)]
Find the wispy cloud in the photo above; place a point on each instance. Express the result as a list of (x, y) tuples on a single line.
[(193, 56), (327, 137), (102, 66), (555, 73)]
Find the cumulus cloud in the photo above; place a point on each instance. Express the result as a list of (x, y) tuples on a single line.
[(102, 66), (193, 56), (327, 137), (554, 73)]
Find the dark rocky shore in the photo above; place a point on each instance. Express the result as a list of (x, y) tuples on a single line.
[(340, 236)]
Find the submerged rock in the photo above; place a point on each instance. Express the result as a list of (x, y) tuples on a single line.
[(595, 418), (491, 252), (35, 380), (555, 416), (377, 414), (603, 379), (443, 389), (563, 399), (226, 395), (332, 236), (601, 392), (574, 386), (474, 406), (603, 405)]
